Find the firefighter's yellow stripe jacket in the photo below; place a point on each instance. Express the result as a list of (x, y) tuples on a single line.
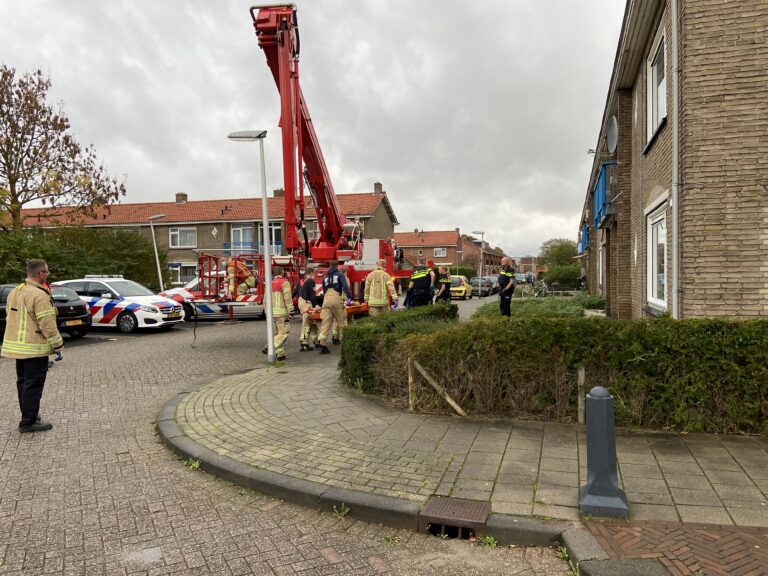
[(30, 330)]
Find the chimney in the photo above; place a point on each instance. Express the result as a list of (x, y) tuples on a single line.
[(377, 188), (181, 197), (279, 193)]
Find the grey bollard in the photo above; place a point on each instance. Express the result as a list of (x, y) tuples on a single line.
[(601, 495)]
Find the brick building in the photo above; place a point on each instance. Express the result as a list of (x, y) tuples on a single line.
[(226, 226), (442, 246), (676, 214)]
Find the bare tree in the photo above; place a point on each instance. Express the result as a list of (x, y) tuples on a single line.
[(40, 161)]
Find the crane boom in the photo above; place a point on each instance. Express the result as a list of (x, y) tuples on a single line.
[(276, 27)]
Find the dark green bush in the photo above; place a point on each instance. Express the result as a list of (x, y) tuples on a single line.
[(590, 301), (365, 340), (549, 307), (695, 375)]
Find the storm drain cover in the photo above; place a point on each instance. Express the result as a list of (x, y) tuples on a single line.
[(453, 517)]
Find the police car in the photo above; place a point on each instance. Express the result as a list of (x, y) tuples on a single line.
[(197, 306), (115, 301)]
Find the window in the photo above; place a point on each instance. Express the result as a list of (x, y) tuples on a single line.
[(657, 257), (242, 239), (96, 289), (440, 252), (182, 238), (657, 83), (421, 252), (275, 237)]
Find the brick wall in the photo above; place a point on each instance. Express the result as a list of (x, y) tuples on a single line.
[(724, 122)]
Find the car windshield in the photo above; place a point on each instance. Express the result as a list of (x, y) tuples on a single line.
[(129, 288), (192, 284), (455, 282), (63, 293)]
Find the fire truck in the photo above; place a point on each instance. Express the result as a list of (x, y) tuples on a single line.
[(306, 183)]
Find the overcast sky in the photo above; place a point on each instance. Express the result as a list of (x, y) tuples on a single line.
[(476, 115)]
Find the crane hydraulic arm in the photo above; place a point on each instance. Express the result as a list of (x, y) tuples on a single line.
[(277, 30)]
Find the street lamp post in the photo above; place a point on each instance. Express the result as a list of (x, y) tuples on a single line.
[(154, 245), (250, 136), (482, 243)]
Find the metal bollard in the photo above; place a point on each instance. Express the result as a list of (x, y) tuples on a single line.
[(601, 495)]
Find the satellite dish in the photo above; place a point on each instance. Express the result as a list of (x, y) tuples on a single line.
[(612, 137)]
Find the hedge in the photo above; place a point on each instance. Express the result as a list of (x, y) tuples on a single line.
[(365, 340), (549, 307), (693, 375)]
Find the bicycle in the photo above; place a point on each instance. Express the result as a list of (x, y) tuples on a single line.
[(527, 291), (542, 291)]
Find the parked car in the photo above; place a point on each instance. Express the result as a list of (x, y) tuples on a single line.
[(494, 278), (72, 316), (196, 306), (486, 289), (460, 287), (115, 301), (520, 278)]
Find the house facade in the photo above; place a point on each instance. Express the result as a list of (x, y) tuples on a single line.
[(675, 219), (449, 248), (184, 228)]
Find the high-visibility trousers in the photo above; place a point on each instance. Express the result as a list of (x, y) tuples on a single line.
[(282, 328), (308, 326), (333, 311), (376, 310)]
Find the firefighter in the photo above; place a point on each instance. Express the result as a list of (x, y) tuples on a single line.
[(506, 286), (444, 285), (334, 286), (422, 281), (282, 302), (239, 278), (378, 290), (307, 306), (30, 337)]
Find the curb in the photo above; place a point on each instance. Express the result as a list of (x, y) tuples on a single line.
[(583, 548)]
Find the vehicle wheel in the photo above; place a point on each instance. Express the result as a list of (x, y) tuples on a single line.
[(127, 323), (77, 333), (189, 312), (470, 296), (463, 296)]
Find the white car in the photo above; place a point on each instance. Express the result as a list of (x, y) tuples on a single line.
[(115, 301), (196, 305)]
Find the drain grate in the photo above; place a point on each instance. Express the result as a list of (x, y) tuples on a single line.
[(453, 517)]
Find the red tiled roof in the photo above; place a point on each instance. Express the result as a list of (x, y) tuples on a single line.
[(433, 238), (232, 210)]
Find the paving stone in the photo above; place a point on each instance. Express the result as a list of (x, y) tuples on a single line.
[(704, 514)]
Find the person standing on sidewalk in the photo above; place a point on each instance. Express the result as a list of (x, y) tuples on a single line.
[(282, 303), (334, 286), (378, 290), (307, 306), (30, 337), (506, 286)]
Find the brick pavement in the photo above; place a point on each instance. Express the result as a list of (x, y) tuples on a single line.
[(99, 494), (688, 549), (296, 420)]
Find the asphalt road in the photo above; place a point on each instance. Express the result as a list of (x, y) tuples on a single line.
[(100, 495)]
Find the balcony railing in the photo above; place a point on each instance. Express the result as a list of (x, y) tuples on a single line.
[(236, 248), (605, 192)]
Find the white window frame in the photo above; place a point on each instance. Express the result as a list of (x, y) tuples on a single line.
[(175, 231), (656, 92), (440, 252), (653, 219), (241, 228), (421, 252), (601, 261)]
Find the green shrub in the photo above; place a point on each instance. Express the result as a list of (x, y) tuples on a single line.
[(549, 307), (695, 375), (365, 340), (590, 301)]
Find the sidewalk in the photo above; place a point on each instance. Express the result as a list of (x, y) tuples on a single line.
[(294, 432)]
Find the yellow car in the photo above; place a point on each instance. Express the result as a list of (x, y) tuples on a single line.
[(460, 287)]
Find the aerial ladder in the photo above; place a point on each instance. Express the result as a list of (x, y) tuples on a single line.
[(305, 173)]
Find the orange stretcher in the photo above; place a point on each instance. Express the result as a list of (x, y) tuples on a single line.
[(352, 311)]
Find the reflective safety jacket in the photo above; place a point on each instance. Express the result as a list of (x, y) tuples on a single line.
[(445, 285), (506, 275), (335, 280), (378, 288), (421, 279), (282, 301), (30, 330)]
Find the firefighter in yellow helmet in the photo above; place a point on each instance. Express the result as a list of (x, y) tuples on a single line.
[(379, 289)]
